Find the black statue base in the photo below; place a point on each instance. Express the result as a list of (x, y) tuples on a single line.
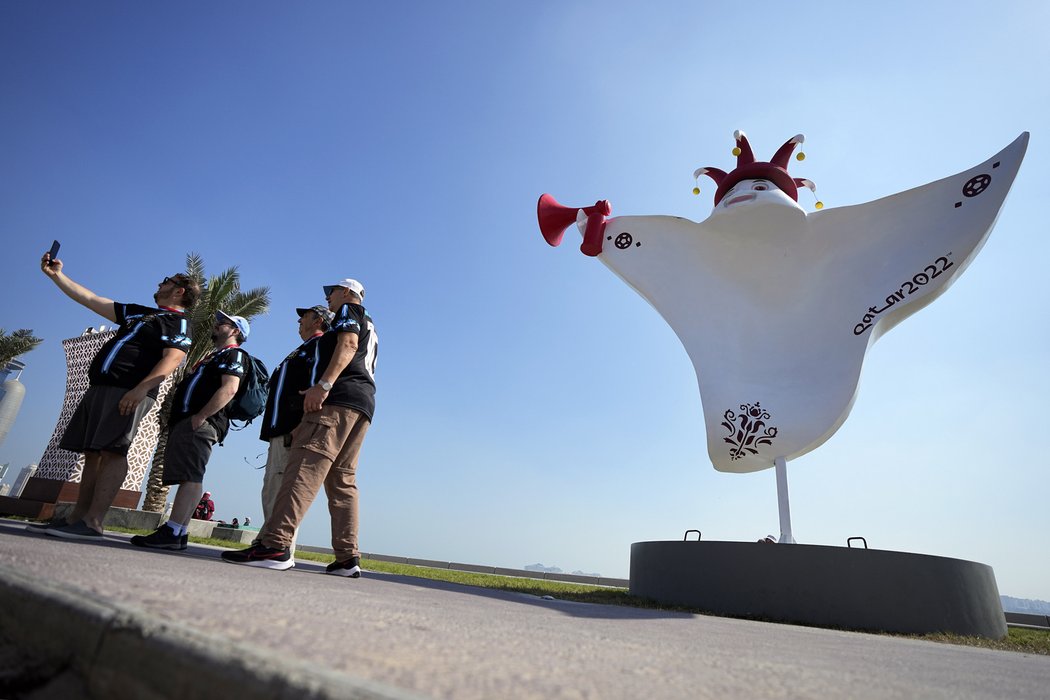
[(858, 589)]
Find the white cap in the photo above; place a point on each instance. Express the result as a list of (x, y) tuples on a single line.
[(353, 285), (239, 321)]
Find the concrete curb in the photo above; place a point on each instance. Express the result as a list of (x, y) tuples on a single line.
[(123, 652)]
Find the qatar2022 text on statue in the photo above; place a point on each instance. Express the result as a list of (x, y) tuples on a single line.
[(777, 306)]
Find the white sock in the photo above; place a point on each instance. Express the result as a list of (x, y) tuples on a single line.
[(179, 530)]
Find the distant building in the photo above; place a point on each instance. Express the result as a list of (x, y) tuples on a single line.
[(23, 478), (12, 392)]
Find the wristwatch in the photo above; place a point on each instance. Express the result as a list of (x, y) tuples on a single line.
[(327, 386)]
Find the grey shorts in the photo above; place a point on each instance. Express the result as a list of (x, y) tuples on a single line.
[(188, 451), (97, 425)]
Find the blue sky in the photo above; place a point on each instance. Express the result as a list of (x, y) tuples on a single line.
[(531, 407)]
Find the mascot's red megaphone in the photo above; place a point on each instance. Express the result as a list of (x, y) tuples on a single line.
[(554, 218)]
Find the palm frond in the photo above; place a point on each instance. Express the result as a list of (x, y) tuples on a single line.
[(26, 335), (195, 267), (250, 304), (18, 343), (222, 288), (203, 311)]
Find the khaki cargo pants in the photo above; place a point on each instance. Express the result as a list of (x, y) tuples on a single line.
[(324, 451)]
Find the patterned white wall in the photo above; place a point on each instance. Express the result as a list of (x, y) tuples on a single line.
[(61, 465)]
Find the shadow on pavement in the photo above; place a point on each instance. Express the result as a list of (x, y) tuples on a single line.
[(567, 607)]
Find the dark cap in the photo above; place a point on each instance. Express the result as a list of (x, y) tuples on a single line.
[(323, 311)]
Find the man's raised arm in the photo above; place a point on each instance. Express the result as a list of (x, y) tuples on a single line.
[(78, 293)]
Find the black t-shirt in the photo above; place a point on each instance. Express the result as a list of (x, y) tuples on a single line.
[(284, 403), (356, 385), (144, 334), (197, 387)]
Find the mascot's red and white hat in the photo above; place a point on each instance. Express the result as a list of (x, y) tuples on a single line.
[(747, 168)]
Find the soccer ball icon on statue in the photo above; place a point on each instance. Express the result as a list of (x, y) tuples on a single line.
[(777, 306)]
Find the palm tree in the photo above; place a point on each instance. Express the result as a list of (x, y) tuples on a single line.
[(223, 291), (18, 343)]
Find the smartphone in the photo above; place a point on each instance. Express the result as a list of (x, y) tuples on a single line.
[(53, 253)]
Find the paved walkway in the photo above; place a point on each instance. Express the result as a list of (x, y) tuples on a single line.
[(166, 623)]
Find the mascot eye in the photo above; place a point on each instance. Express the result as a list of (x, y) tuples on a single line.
[(760, 186)]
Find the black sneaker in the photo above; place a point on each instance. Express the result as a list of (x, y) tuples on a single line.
[(350, 568), (184, 542), (77, 531), (163, 538), (261, 556), (42, 528)]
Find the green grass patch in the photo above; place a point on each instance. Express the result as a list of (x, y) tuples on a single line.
[(529, 586), (1024, 640)]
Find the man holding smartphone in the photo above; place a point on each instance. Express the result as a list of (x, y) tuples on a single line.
[(124, 378)]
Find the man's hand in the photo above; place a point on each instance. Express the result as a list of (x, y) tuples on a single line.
[(130, 401), (50, 267), (313, 398), (196, 421)]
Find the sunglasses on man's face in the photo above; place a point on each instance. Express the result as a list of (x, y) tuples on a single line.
[(170, 280)]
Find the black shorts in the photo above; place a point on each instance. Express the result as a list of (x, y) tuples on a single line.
[(188, 451), (97, 425)]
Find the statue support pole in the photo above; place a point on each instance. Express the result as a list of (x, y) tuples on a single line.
[(782, 499)]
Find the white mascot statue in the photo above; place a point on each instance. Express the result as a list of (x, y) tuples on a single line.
[(777, 307)]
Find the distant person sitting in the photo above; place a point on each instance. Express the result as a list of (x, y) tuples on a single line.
[(206, 508), (235, 525), (247, 521)]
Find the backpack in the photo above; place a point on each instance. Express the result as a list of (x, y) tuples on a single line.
[(250, 400)]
